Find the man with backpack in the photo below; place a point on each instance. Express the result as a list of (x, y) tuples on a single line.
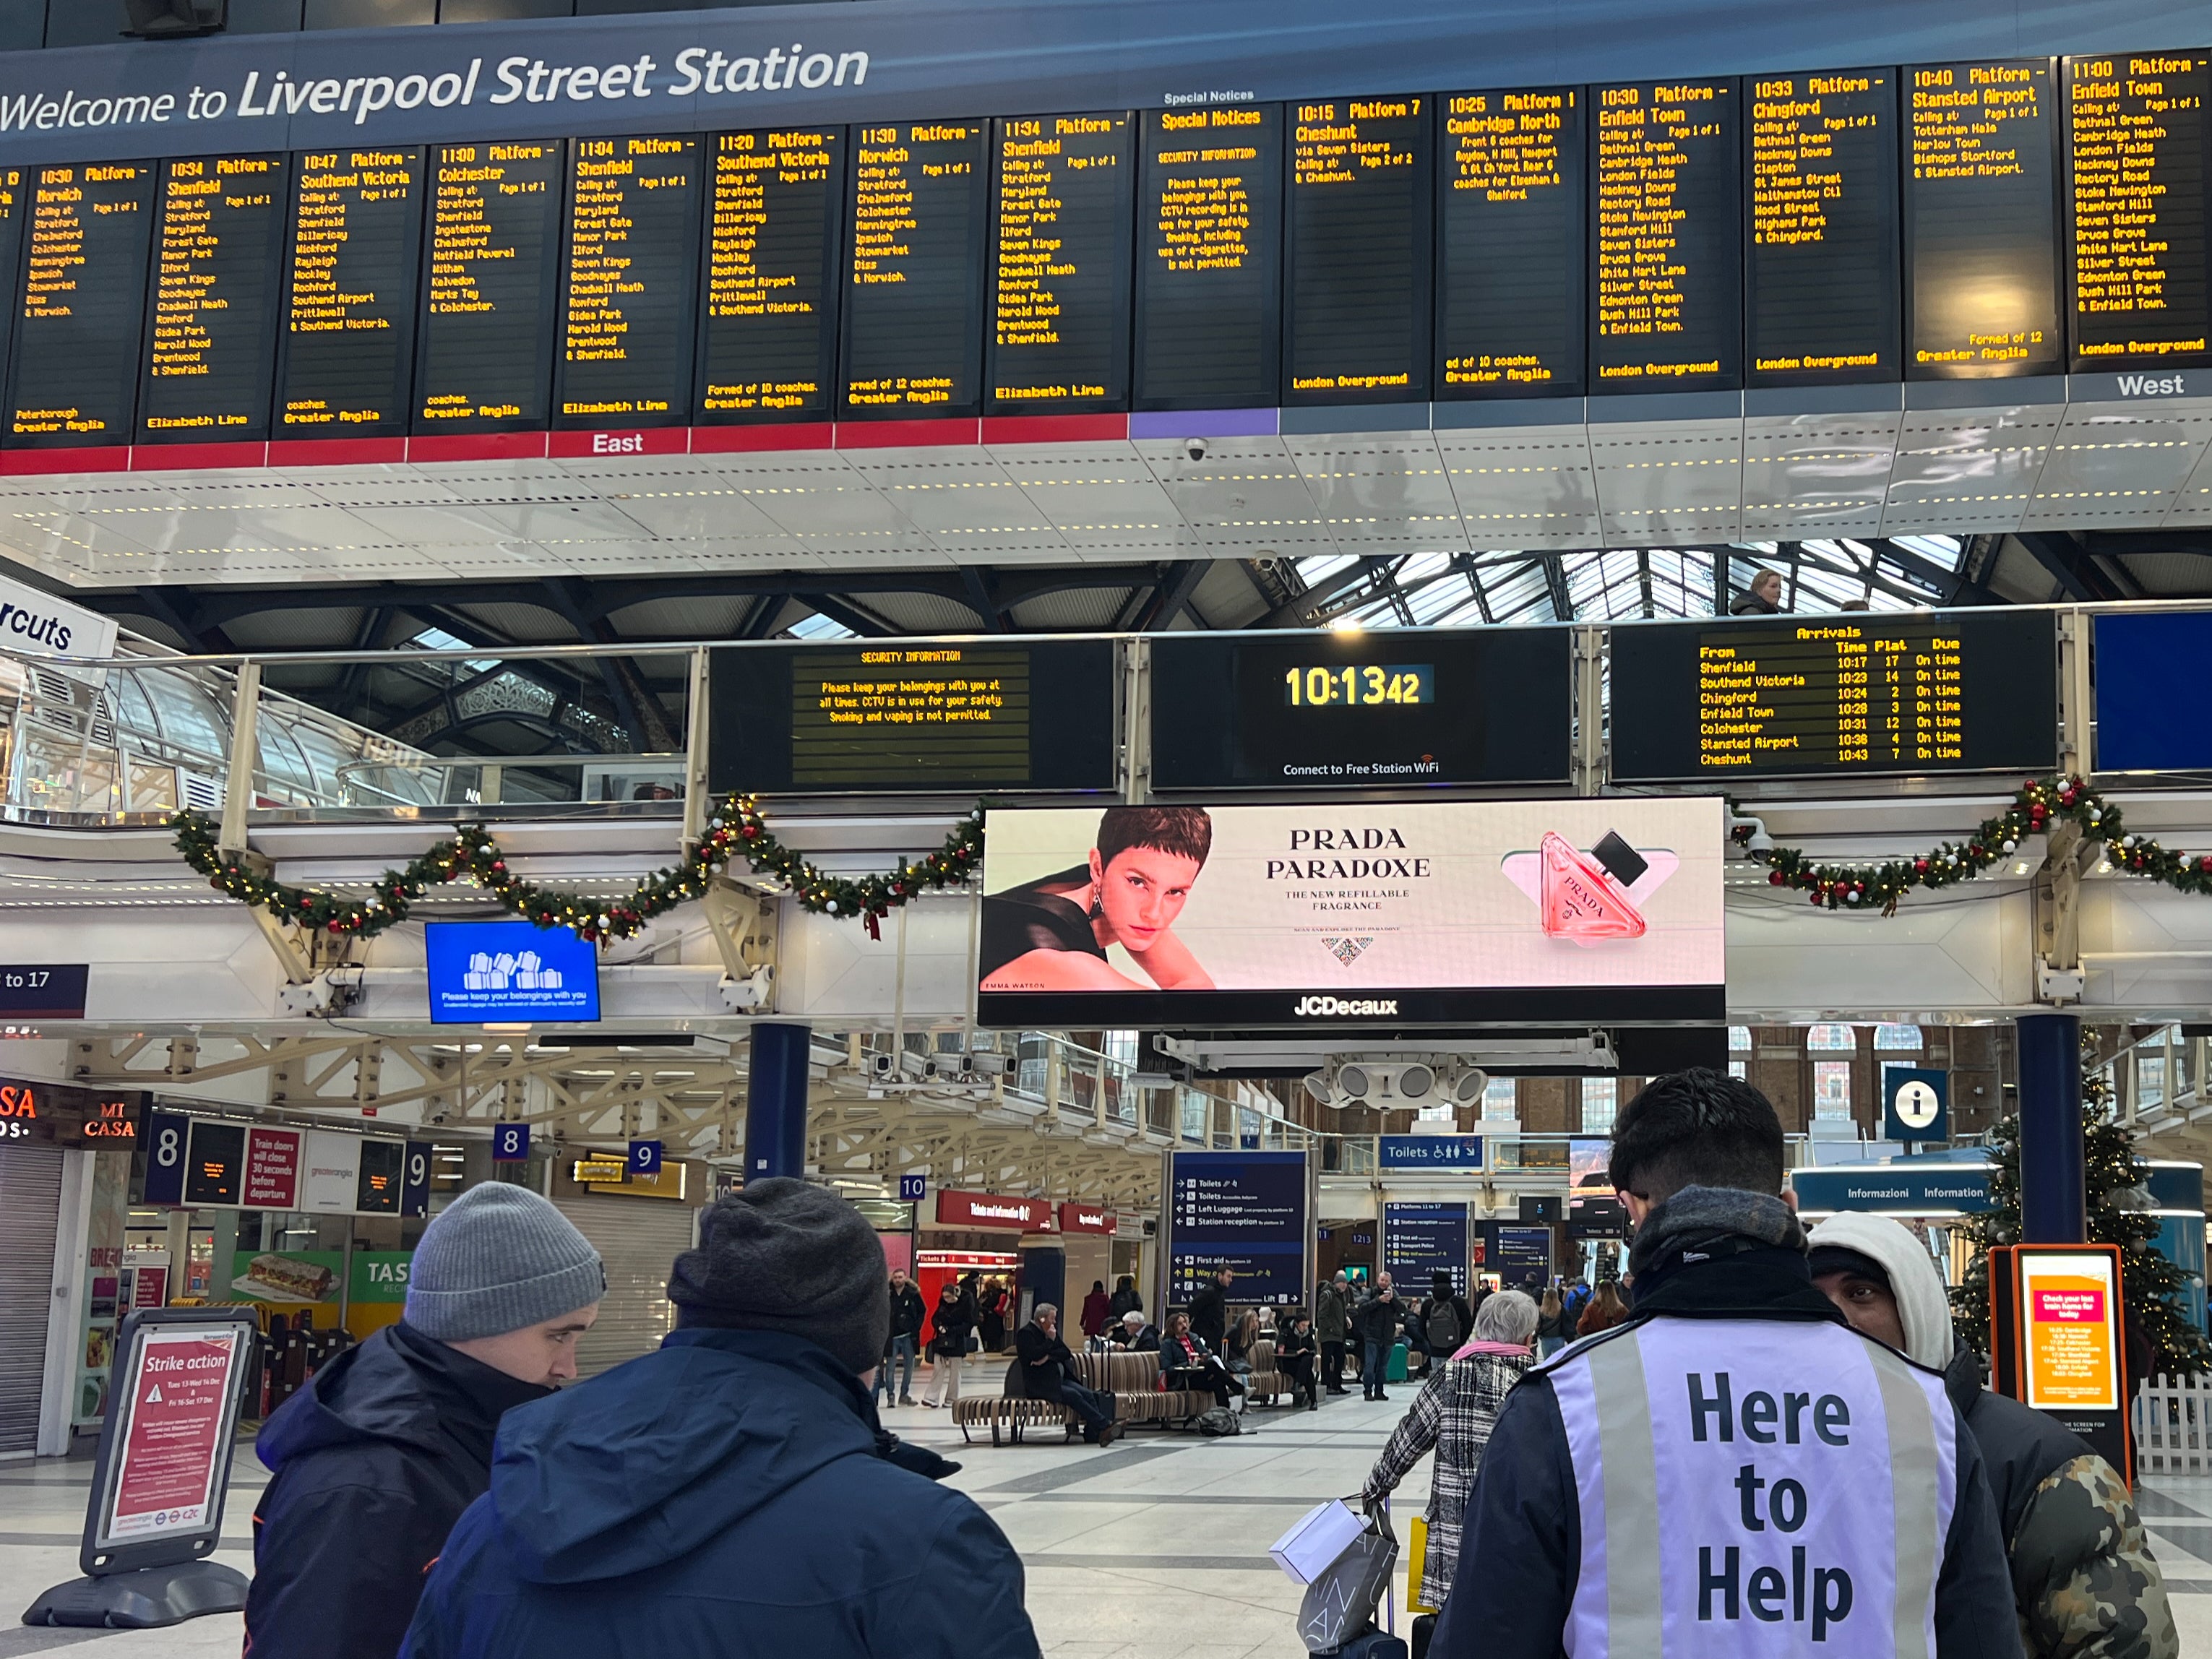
[(1446, 1319)]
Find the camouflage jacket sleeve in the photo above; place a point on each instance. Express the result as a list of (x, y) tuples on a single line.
[(2086, 1583)]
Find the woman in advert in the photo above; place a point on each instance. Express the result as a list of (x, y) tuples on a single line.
[(1053, 935)]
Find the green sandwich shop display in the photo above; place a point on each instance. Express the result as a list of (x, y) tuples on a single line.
[(375, 1291)]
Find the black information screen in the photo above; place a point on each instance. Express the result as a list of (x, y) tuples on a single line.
[(914, 299), (1669, 252), (1209, 258), (2137, 198), (1357, 278), (15, 210), (629, 283), (1063, 190), (352, 293), (493, 294), (1981, 220), (934, 718), (214, 1156), (767, 333), (1512, 209), (1822, 303), (1961, 691), (75, 381), (381, 1177), (218, 257), (1337, 711)]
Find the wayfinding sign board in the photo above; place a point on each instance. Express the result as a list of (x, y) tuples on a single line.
[(1251, 1213)]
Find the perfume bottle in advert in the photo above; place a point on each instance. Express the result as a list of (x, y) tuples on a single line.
[(1585, 895)]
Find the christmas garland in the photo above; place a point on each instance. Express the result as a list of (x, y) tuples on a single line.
[(2034, 808), (737, 831)]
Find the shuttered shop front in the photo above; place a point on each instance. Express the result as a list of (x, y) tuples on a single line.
[(639, 1239), (30, 1216)]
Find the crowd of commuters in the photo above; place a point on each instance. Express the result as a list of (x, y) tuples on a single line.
[(434, 1492)]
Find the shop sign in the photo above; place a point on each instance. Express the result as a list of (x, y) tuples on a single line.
[(1025, 1215), (63, 1114), (379, 1276), (1086, 1219)]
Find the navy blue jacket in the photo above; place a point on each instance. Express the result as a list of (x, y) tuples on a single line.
[(723, 1496)]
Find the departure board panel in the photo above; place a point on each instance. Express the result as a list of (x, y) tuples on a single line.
[(2136, 185), (1822, 302), (211, 337), (914, 297), (14, 213), (75, 378), (1209, 258), (1668, 251), (352, 293), (767, 332), (1356, 276), (629, 284), (1512, 210), (492, 295), (1062, 194), (1912, 692), (912, 715), (1981, 220)]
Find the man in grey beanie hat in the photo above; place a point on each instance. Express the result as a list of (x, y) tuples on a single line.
[(375, 1459), (733, 1493)]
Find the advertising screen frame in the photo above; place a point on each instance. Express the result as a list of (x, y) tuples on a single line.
[(441, 936)]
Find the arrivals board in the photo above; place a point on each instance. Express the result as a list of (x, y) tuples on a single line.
[(2136, 190), (1668, 252), (83, 305), (492, 288), (1350, 711), (1062, 193), (768, 332), (347, 358), (1961, 691), (1981, 220), (212, 335), (914, 297), (1209, 258), (1357, 286), (1512, 212), (1821, 300), (629, 284), (957, 717)]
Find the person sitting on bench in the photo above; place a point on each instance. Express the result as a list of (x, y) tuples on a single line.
[(1048, 1371), (1190, 1365)]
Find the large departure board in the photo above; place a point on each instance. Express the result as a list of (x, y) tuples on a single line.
[(2136, 188), (1967, 691), (1209, 258), (914, 298), (352, 295), (492, 295), (1668, 253), (74, 381), (1062, 190), (629, 284), (1821, 300), (14, 213), (934, 717), (767, 333), (1361, 711), (211, 337), (1512, 210), (1357, 282), (1981, 220)]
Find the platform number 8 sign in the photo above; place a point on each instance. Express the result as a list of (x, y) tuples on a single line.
[(510, 1143), (166, 1133)]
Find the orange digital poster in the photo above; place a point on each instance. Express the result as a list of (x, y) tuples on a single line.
[(2070, 1315)]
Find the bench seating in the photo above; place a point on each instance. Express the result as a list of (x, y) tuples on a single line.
[(1131, 1380)]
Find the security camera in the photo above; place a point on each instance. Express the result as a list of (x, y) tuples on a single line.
[(1195, 448)]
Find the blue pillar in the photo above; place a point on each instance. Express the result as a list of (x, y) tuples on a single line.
[(2054, 1204), (775, 1102)]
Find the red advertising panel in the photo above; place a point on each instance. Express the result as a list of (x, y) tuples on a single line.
[(1025, 1215), (1086, 1219), (272, 1169), (176, 1435)]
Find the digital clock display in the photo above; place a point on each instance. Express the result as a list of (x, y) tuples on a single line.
[(1358, 685)]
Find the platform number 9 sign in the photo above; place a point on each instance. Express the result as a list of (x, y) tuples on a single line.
[(510, 1143)]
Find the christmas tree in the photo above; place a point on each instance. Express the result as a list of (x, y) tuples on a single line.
[(2151, 1286)]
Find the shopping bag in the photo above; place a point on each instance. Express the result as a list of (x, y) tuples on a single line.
[(1320, 1535), (1340, 1603)]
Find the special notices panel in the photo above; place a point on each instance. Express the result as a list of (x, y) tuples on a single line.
[(767, 330), (914, 298), (629, 283), (1063, 189), (492, 297), (1669, 252), (352, 288), (74, 379), (218, 260)]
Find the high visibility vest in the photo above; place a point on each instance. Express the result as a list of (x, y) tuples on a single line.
[(1754, 1488)]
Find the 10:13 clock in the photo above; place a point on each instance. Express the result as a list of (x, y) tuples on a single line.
[(1358, 684)]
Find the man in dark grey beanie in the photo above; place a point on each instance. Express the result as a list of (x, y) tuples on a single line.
[(729, 1494), (377, 1457)]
